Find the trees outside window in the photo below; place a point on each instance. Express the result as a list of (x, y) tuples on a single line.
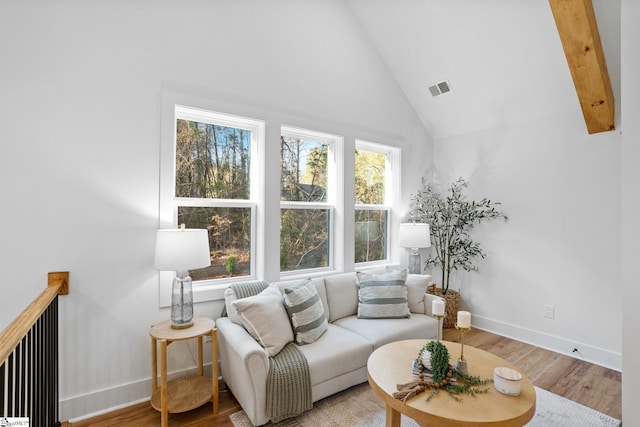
[(212, 161), (229, 232), (215, 173), (373, 184), (305, 210), (213, 187)]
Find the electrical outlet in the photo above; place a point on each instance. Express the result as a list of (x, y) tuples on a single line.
[(549, 311)]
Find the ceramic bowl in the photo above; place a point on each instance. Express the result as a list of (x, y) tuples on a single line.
[(507, 381)]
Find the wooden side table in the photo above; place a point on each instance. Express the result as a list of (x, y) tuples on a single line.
[(189, 392)]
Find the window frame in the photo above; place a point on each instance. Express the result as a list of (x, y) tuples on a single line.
[(265, 193), (334, 193), (172, 110), (392, 175)]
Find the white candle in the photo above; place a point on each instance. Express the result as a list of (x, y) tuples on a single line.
[(464, 319), (437, 307)]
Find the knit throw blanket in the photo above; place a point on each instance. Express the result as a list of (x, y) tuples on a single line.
[(288, 379), (248, 289), (288, 384)]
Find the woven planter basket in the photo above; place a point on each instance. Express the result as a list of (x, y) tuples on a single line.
[(452, 305)]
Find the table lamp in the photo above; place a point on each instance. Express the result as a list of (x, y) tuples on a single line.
[(181, 249), (414, 235)]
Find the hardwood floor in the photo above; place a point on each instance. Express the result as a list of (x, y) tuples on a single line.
[(143, 415), (591, 385)]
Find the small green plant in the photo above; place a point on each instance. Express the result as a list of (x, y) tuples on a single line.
[(464, 384), (231, 265), (439, 359)]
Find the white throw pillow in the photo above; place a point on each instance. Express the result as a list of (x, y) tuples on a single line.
[(265, 318), (250, 288), (305, 311), (382, 295)]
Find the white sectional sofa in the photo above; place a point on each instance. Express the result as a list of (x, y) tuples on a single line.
[(338, 358)]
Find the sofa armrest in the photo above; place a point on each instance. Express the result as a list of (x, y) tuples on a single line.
[(244, 365)]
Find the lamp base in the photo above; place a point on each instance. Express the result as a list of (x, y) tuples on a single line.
[(181, 302), (414, 261), (182, 325)]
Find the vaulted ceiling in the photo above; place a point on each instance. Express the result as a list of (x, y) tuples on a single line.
[(503, 59)]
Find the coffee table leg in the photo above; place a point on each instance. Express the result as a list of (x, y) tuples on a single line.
[(393, 417)]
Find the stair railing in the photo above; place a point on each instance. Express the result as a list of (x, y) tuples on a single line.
[(29, 359)]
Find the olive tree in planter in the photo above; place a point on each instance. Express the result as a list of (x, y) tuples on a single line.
[(451, 219)]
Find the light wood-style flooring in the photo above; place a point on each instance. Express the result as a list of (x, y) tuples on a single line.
[(591, 385)]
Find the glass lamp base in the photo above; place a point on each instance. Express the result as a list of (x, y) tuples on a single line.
[(181, 325), (414, 262), (182, 303)]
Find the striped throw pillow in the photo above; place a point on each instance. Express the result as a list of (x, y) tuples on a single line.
[(382, 296), (305, 310)]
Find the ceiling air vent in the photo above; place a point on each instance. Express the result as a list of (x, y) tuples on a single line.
[(440, 88)]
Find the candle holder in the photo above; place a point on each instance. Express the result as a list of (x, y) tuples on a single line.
[(461, 366), (439, 331)]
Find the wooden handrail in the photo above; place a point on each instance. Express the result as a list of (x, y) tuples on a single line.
[(58, 284)]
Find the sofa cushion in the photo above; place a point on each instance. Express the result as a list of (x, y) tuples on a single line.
[(383, 331), (265, 318), (382, 295), (305, 312), (342, 295), (337, 352), (416, 288)]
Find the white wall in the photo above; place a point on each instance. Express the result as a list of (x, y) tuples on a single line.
[(81, 86), (560, 188), (630, 212)]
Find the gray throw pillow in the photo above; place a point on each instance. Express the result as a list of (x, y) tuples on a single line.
[(305, 311), (382, 296)]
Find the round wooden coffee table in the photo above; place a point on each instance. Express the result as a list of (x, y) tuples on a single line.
[(390, 365)]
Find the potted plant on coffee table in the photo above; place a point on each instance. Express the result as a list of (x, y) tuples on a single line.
[(451, 219)]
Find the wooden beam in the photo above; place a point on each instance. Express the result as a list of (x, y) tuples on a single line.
[(578, 31)]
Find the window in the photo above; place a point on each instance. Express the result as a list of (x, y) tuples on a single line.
[(213, 187), (306, 199), (373, 187), (216, 174)]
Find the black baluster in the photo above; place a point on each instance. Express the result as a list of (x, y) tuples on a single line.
[(56, 367), (10, 387), (2, 383)]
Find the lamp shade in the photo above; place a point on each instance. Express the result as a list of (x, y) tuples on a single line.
[(414, 235), (182, 249)]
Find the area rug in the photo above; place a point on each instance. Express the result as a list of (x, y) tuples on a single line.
[(360, 407)]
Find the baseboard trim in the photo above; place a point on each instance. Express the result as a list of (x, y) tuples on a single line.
[(81, 407), (588, 353), (90, 405)]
